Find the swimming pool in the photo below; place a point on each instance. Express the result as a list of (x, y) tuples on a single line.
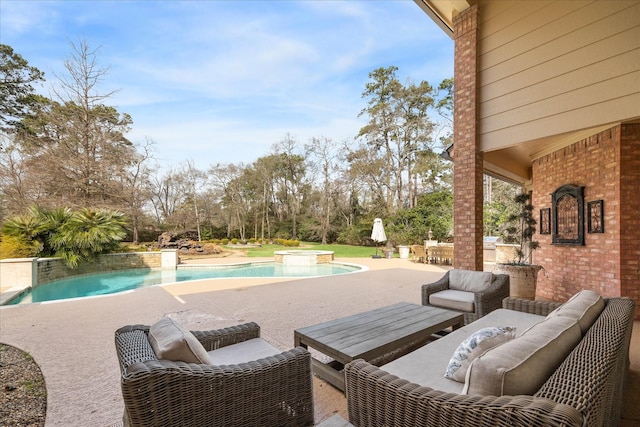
[(124, 280)]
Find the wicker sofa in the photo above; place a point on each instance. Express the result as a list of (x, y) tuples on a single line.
[(274, 389), (584, 390)]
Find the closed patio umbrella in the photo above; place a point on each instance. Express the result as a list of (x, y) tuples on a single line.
[(377, 234)]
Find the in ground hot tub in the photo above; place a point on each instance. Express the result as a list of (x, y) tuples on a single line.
[(302, 257)]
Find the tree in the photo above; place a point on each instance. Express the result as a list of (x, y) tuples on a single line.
[(325, 164), (236, 196), (291, 178), (17, 92), (265, 170), (367, 180), (195, 179), (380, 131), (167, 194), (444, 107), (74, 148), (433, 212), (499, 206), (136, 187), (16, 192), (73, 151), (399, 132)]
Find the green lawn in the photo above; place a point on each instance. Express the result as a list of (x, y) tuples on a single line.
[(339, 251)]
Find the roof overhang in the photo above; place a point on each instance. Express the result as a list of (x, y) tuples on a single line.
[(442, 12)]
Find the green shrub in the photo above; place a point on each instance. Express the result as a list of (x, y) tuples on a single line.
[(16, 247), (74, 236)]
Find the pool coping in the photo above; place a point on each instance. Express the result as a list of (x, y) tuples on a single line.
[(12, 293)]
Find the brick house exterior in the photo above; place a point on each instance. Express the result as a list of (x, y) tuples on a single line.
[(607, 165), (545, 119)]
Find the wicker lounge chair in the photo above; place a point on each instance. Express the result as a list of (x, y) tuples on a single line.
[(271, 391), (474, 303)]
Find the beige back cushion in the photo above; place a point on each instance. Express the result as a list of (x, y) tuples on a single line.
[(171, 341), (522, 365), (470, 281), (584, 307)]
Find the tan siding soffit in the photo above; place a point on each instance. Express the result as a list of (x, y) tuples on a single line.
[(607, 79), (617, 110), (512, 62), (503, 21), (585, 99), (605, 60)]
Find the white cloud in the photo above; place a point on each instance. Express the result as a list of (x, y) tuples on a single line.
[(220, 81)]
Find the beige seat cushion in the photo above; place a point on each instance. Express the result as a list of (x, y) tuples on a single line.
[(522, 365), (170, 341), (453, 300), (470, 281), (243, 352), (584, 307), (425, 366)]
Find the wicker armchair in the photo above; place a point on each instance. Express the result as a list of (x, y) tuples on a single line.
[(273, 391), (477, 304)]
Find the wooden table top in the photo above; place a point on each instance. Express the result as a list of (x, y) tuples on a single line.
[(374, 333)]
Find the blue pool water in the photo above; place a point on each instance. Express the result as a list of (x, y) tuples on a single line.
[(118, 281)]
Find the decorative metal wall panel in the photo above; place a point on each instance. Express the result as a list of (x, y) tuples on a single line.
[(568, 215), (595, 216), (545, 221)]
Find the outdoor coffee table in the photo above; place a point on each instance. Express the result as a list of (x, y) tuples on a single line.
[(377, 335)]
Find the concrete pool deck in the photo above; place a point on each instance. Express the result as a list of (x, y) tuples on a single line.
[(72, 340)]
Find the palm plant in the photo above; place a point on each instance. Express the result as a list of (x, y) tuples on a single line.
[(86, 233), (34, 228)]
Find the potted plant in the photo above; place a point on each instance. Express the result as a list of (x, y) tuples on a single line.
[(523, 275), (399, 239)]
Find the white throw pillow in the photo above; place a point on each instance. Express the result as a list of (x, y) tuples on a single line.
[(171, 341), (474, 346)]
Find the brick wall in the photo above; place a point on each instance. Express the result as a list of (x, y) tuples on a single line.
[(467, 180), (630, 213), (607, 165)]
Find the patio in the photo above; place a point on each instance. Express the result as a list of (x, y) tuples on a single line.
[(72, 341)]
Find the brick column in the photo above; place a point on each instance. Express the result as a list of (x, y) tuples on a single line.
[(467, 159), (629, 213)]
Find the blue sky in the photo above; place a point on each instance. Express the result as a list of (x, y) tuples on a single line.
[(221, 81)]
